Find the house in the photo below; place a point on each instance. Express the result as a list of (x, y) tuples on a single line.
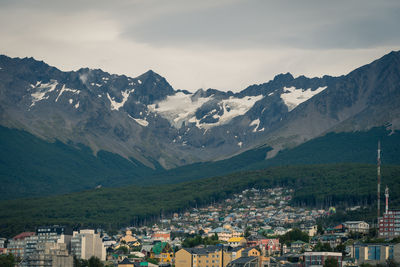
[(126, 263), (237, 241), (357, 227), (245, 262), (297, 246), (128, 237), (3, 242), (375, 253), (161, 236), (340, 228), (211, 256), (163, 252), (318, 259), (16, 245), (271, 245), (332, 240)]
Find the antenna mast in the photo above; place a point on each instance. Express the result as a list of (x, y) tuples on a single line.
[(387, 199), (379, 179)]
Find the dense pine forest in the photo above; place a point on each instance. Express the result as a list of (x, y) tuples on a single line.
[(112, 208)]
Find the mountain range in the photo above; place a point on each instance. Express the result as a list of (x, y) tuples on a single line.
[(138, 127)]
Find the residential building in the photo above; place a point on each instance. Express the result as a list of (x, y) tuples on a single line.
[(226, 232), (212, 256), (87, 243), (163, 252), (3, 242), (297, 246), (126, 263), (389, 224), (237, 241), (16, 245), (128, 237), (50, 254), (317, 259), (375, 253), (245, 262), (162, 236), (357, 227), (47, 234)]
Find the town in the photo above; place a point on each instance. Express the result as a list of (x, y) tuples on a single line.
[(257, 227)]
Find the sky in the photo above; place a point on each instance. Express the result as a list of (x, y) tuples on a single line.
[(221, 44)]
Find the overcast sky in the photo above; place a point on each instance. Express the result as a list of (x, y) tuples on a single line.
[(220, 44)]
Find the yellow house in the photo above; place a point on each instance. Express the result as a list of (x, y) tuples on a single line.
[(248, 257), (213, 256), (128, 237), (237, 241), (163, 252)]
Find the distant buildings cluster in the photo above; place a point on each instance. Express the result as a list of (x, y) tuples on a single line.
[(54, 246), (246, 226)]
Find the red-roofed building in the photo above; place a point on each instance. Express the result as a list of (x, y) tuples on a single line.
[(271, 245), (16, 246), (23, 235), (162, 236)]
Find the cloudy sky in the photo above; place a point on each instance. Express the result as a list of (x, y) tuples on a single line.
[(220, 44)]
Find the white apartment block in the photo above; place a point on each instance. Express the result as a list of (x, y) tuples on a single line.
[(87, 243)]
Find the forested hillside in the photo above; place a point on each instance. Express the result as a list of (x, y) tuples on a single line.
[(32, 167), (318, 185)]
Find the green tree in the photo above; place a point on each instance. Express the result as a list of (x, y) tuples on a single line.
[(331, 262), (294, 235), (247, 232), (320, 229), (341, 248), (95, 262), (124, 249), (154, 261), (322, 247), (7, 260)]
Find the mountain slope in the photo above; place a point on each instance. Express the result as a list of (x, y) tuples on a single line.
[(146, 125), (30, 166), (143, 117), (365, 98)]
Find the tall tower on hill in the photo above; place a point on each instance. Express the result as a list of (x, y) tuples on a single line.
[(387, 199), (379, 179)]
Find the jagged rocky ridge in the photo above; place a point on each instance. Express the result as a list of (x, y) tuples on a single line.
[(146, 119)]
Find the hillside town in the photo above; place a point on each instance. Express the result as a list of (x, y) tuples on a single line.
[(257, 227)]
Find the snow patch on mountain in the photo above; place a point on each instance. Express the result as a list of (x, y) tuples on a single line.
[(178, 108), (43, 89), (232, 107), (142, 122), (64, 89), (255, 123), (117, 105), (292, 96)]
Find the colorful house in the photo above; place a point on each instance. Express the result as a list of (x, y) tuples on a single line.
[(163, 252), (237, 241)]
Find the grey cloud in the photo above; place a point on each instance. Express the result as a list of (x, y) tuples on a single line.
[(298, 24)]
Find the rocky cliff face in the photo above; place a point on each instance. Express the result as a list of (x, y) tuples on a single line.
[(146, 119)]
